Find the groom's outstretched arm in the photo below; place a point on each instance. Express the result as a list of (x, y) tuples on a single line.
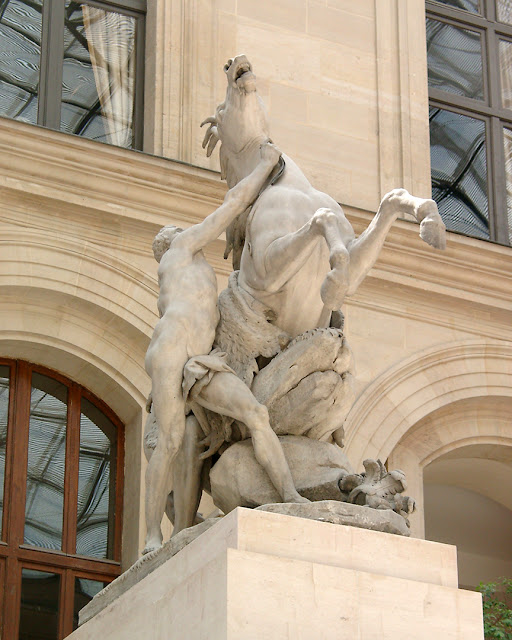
[(236, 202)]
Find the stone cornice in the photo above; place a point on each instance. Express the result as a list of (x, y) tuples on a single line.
[(126, 183), (147, 191)]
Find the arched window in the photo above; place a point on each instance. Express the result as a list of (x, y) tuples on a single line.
[(61, 480)]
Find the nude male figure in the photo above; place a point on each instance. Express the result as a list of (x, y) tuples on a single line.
[(188, 318)]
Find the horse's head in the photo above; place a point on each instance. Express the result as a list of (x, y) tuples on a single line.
[(240, 122)]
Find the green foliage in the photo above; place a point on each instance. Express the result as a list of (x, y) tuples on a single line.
[(497, 615)]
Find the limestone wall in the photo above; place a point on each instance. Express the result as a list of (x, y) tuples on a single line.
[(345, 84)]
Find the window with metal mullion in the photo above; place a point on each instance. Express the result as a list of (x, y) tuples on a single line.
[(462, 168), (460, 16), (492, 64), (138, 115), (478, 107), (50, 80), (496, 163), (481, 30), (495, 168), (136, 9), (500, 230)]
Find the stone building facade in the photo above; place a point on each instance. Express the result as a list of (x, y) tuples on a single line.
[(346, 86)]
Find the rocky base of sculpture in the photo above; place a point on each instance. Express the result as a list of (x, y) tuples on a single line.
[(256, 575), (238, 480), (321, 471), (352, 515)]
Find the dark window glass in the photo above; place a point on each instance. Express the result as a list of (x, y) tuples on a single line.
[(98, 85), (454, 59), (96, 483), (39, 605), (459, 171), (467, 5), (470, 72), (4, 416), (20, 52), (85, 590), (46, 463), (74, 66)]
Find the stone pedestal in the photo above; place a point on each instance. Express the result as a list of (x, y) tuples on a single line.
[(258, 575)]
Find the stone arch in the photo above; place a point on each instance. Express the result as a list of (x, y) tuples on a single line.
[(51, 262), (476, 427), (462, 454), (411, 390), (79, 309)]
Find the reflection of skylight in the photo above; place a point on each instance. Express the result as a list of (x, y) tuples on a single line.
[(454, 59), (98, 70), (46, 472), (459, 171), (20, 35), (94, 479), (46, 465)]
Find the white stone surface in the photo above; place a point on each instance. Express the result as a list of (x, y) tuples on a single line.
[(266, 576)]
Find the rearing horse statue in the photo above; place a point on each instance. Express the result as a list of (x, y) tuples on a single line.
[(280, 326), (296, 251)]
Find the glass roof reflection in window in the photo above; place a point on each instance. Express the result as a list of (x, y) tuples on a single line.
[(454, 59), (505, 53), (98, 74), (96, 484), (466, 5), (20, 51), (4, 416), (46, 463), (459, 171), (85, 590)]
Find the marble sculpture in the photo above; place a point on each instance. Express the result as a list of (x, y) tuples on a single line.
[(268, 360)]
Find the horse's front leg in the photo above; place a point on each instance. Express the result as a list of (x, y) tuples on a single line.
[(365, 249), (277, 260), (285, 256)]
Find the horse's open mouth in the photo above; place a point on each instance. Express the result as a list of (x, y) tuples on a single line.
[(243, 72)]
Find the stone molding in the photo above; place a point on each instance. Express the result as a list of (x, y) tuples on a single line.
[(415, 387), (126, 183), (147, 192), (72, 267), (476, 427)]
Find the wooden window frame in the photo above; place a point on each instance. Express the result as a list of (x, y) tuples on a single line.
[(14, 554), (52, 59), (489, 109)]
